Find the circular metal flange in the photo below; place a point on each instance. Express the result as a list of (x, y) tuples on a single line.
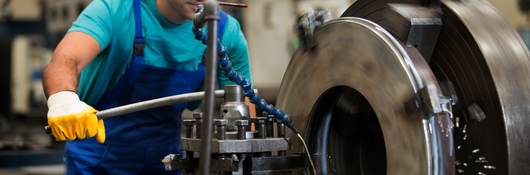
[(489, 66), (356, 54)]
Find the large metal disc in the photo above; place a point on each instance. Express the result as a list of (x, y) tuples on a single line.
[(350, 96), (489, 65)]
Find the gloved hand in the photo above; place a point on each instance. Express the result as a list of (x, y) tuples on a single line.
[(70, 118)]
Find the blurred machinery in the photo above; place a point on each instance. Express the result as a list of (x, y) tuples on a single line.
[(413, 87), (29, 58), (60, 14), (29, 29)]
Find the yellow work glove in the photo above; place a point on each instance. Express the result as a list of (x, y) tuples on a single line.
[(70, 118)]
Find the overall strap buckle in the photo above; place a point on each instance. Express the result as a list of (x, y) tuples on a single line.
[(138, 49)]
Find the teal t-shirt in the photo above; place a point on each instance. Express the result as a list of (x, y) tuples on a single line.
[(111, 23)]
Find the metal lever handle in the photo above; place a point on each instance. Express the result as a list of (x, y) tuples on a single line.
[(149, 104), (232, 4)]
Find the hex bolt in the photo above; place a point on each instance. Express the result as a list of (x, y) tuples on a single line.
[(188, 127), (241, 129), (198, 120), (281, 129), (270, 126), (282, 153), (220, 128), (261, 126)]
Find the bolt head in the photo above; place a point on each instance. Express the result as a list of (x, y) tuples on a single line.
[(220, 122), (241, 122), (197, 115), (189, 122), (261, 119)]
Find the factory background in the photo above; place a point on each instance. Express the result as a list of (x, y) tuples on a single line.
[(30, 29)]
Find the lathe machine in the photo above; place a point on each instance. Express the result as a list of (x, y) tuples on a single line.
[(406, 87)]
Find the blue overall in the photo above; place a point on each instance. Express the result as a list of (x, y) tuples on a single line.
[(137, 142)]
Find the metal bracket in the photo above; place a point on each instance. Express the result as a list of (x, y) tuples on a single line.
[(432, 103), (423, 35), (425, 24), (172, 163), (238, 146)]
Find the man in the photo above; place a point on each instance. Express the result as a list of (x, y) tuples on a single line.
[(119, 52)]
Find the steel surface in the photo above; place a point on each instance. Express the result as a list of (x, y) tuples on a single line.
[(238, 146), (485, 59), (358, 54)]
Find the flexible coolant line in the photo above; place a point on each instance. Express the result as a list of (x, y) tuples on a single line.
[(226, 65)]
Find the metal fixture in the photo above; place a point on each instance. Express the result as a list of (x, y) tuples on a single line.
[(188, 127), (487, 62), (198, 123), (220, 128), (359, 106), (261, 126), (234, 107), (241, 128), (236, 152)]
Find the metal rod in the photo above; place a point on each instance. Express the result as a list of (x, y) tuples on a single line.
[(149, 104), (233, 4), (211, 12)]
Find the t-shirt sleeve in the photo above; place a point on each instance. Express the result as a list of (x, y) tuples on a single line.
[(96, 21), (237, 48)]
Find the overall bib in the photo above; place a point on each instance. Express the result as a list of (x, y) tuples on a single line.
[(137, 142)]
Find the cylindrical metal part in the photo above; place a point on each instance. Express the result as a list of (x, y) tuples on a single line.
[(233, 93), (281, 129), (198, 123), (220, 128), (241, 129), (221, 132), (233, 4), (233, 107), (270, 126), (188, 127), (261, 126), (211, 11)]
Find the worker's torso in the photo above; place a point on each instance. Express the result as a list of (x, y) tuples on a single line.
[(142, 138), (167, 46)]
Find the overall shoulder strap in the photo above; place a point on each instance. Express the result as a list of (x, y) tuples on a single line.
[(139, 41), (222, 24)]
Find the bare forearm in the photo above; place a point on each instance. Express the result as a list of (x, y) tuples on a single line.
[(72, 54), (60, 75)]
